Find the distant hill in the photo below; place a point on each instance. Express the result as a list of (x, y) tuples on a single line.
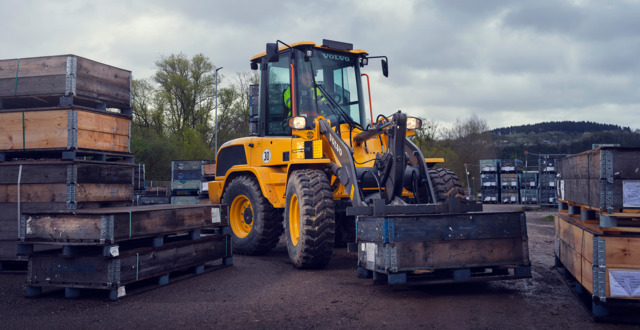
[(564, 137)]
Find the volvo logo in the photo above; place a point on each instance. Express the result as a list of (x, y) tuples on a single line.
[(335, 145), (337, 57)]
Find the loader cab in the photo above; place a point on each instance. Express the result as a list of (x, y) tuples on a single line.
[(309, 80)]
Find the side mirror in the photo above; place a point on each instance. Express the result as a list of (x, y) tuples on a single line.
[(254, 66), (385, 68), (272, 52)]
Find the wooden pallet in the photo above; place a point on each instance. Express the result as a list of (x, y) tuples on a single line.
[(71, 128), (404, 248), (121, 267), (605, 178), (54, 80), (622, 220), (112, 225), (605, 262)]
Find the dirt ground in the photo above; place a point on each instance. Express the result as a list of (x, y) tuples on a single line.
[(267, 292)]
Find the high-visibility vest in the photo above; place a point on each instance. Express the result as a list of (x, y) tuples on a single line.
[(287, 97)]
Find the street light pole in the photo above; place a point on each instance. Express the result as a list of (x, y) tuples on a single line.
[(216, 118)]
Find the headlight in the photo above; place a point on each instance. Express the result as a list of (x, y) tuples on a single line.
[(413, 123), (298, 122)]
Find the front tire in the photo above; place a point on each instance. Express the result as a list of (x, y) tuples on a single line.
[(309, 219), (255, 224)]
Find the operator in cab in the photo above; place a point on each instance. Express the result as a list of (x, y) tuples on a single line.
[(311, 98)]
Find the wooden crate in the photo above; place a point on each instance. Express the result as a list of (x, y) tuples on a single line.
[(605, 261), (186, 175), (52, 80), (454, 242), (68, 128), (110, 225), (71, 182), (606, 178), (95, 271)]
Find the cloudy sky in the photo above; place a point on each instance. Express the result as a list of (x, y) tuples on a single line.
[(508, 62)]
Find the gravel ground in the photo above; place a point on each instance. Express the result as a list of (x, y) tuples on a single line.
[(267, 292)]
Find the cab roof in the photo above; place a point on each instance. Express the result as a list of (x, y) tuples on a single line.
[(311, 44)]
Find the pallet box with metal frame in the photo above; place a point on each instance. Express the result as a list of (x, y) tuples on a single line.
[(476, 246), (51, 81), (110, 248), (603, 262)]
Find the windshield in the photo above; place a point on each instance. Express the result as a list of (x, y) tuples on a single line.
[(329, 85)]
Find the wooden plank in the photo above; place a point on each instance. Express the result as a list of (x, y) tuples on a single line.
[(33, 67), (103, 123), (56, 171), (571, 260), (101, 192), (58, 193), (441, 227), (622, 252), (102, 141), (459, 253)]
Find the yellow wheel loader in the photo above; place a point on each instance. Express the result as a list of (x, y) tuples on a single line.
[(320, 168)]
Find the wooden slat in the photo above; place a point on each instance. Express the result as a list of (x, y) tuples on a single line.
[(33, 67), (103, 123), (57, 193), (459, 253), (102, 141), (56, 171)]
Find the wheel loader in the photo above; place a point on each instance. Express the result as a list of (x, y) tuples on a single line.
[(320, 168)]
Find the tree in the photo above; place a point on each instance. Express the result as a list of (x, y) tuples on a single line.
[(471, 141), (188, 90)]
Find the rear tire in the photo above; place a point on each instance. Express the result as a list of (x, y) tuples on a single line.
[(309, 219), (255, 224), (446, 185)]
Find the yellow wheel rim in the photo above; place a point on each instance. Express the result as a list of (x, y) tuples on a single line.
[(241, 216), (294, 220)]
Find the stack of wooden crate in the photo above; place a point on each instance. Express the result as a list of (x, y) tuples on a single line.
[(65, 142), (597, 228), (110, 248), (186, 181)]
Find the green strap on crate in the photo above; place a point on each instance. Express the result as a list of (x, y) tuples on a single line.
[(15, 90), (129, 224)]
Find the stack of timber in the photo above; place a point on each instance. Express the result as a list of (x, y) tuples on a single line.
[(186, 181), (110, 248), (208, 174), (490, 180), (65, 142), (598, 227)]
